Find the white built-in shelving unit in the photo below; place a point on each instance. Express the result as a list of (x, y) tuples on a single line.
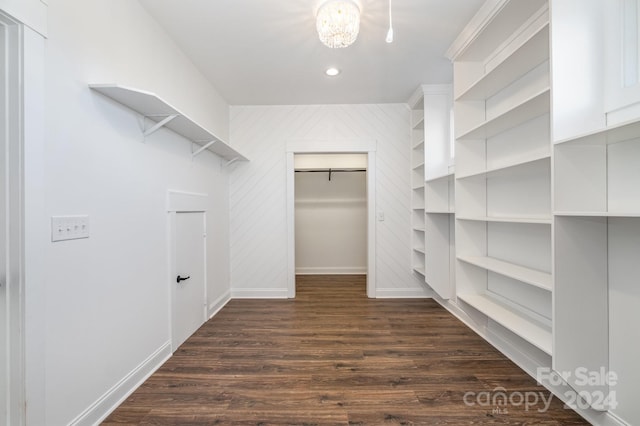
[(439, 190), (162, 114), (547, 193), (596, 166), (432, 178), (417, 185), (504, 223), (597, 246)]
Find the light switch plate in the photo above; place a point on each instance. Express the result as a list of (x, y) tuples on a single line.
[(69, 227)]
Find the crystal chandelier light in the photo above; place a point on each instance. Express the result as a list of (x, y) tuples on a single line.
[(338, 23)]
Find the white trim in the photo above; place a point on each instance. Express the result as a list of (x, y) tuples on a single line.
[(475, 27), (313, 146), (416, 97), (171, 261), (334, 146), (331, 270), (32, 13), (371, 224), (35, 246), (115, 396), (205, 278), (403, 293), (183, 201), (12, 410), (437, 89), (291, 227), (260, 293), (218, 304)]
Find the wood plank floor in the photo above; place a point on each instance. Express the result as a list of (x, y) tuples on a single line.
[(332, 356)]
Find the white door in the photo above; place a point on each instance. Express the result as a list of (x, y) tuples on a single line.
[(189, 294)]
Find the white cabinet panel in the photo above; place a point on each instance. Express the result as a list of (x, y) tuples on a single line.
[(621, 58), (577, 46)]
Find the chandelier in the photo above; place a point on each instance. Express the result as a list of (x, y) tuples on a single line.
[(338, 23)]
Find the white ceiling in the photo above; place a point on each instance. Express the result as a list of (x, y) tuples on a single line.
[(267, 52)]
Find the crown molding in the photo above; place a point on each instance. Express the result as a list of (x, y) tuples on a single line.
[(475, 27)]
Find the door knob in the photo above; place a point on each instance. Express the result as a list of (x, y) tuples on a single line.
[(182, 279)]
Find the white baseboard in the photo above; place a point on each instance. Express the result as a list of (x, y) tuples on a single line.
[(346, 270), (108, 402), (219, 303), (259, 293), (403, 293)]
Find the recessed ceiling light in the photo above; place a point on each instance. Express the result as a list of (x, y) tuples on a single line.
[(332, 72)]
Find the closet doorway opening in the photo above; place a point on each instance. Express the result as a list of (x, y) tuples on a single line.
[(331, 214)]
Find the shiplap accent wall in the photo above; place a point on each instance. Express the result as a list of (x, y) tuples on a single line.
[(258, 228)]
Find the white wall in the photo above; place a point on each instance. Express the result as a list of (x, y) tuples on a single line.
[(258, 190), (331, 223), (105, 319)]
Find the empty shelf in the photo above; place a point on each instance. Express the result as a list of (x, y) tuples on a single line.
[(159, 111), (528, 329), (528, 109), (541, 221), (521, 273)]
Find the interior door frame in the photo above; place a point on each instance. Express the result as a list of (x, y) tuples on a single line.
[(13, 284), (332, 147), (183, 202)]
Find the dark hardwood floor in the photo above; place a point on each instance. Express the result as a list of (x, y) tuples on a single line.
[(332, 356)]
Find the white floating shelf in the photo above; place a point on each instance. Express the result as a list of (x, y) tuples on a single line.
[(438, 177), (530, 276), (528, 329), (540, 221), (435, 211), (597, 214), (607, 136), (157, 110), (419, 270), (419, 124), (533, 52), (521, 162), (418, 166), (526, 110), (418, 229), (418, 145), (419, 250)]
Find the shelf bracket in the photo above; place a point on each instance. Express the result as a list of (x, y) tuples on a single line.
[(159, 124), (203, 147), (230, 162)]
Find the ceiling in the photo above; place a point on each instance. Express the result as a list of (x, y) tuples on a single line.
[(267, 52)]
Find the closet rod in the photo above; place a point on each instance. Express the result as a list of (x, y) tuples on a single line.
[(330, 170)]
